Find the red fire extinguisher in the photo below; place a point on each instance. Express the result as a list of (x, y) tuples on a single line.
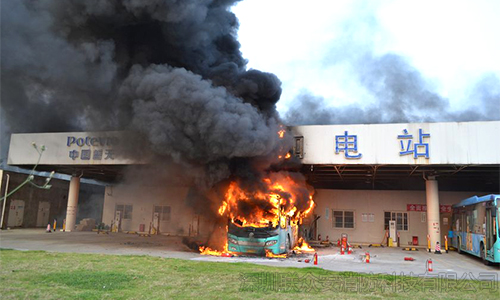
[(429, 265), (315, 258)]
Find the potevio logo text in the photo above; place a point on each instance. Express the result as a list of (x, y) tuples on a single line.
[(92, 141)]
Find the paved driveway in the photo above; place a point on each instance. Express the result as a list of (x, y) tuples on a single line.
[(383, 260)]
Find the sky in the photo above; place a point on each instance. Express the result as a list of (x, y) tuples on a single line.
[(453, 44)]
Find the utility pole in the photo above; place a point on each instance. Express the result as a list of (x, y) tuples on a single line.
[(29, 180), (5, 199)]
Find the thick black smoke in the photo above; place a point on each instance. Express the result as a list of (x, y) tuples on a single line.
[(170, 70), (395, 90), (186, 117), (402, 95)]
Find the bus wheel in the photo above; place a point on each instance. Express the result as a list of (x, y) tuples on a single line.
[(483, 255)]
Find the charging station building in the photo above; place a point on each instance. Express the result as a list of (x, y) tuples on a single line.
[(364, 176), (368, 175)]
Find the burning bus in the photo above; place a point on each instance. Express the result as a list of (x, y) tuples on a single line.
[(270, 240), (264, 218)]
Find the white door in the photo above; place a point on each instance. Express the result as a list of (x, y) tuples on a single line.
[(16, 213), (43, 214)]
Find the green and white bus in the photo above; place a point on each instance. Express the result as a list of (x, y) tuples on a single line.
[(271, 240)]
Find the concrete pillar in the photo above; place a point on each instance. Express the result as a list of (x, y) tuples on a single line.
[(433, 226), (74, 190)]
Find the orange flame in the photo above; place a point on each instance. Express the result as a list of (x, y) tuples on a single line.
[(210, 251), (303, 246), (311, 206), (281, 133), (270, 254), (275, 204), (223, 207), (287, 156), (281, 199)]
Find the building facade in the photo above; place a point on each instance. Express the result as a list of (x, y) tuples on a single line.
[(364, 176)]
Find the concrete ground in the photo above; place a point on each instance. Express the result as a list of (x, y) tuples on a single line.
[(91, 242), (383, 260)]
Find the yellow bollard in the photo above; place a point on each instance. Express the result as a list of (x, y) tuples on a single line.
[(429, 242), (55, 222), (64, 225), (446, 243)]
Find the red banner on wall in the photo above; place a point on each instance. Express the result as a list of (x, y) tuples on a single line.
[(445, 208), (423, 207)]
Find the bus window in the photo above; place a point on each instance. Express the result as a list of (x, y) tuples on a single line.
[(455, 221), (495, 234), (470, 222)]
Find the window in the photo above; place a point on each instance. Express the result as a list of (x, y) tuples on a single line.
[(343, 219), (126, 211), (401, 219), (298, 147), (163, 212), (469, 221)]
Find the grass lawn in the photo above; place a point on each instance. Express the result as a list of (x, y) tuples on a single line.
[(46, 275)]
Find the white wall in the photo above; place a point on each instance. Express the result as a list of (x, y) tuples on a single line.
[(143, 199), (369, 201), (449, 143)]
